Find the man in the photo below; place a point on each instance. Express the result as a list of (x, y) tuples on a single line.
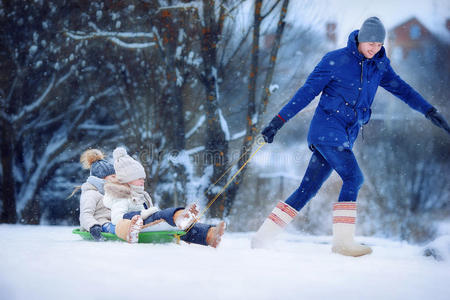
[(348, 79)]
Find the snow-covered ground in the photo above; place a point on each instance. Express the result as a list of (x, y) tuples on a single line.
[(49, 262)]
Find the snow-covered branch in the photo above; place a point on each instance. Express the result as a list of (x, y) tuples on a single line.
[(28, 191), (224, 125), (199, 123), (13, 87), (56, 147), (192, 5), (64, 77), (131, 45), (36, 104), (114, 37), (3, 114), (195, 150), (158, 38), (108, 92), (98, 127), (37, 123), (238, 135)]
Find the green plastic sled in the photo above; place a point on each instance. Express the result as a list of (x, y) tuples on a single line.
[(155, 237)]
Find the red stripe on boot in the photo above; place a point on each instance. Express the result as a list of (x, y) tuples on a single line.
[(287, 209), (344, 206), (277, 220), (347, 220)]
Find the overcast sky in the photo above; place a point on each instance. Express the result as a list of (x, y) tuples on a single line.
[(349, 14)]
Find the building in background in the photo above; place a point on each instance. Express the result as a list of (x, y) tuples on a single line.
[(421, 57), (411, 39), (331, 32)]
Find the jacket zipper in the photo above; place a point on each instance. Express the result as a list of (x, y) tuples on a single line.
[(361, 80), (360, 89), (362, 68)]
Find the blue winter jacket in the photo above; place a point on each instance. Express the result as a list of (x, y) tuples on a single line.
[(348, 82)]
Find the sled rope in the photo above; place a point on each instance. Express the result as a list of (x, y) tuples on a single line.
[(261, 144), (229, 169)]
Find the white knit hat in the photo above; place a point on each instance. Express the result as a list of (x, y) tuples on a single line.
[(127, 169)]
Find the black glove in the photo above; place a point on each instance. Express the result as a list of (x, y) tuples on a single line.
[(96, 232), (437, 119), (269, 132)]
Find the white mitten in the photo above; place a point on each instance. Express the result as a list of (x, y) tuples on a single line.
[(145, 213)]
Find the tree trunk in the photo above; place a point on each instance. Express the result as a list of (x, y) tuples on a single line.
[(216, 150), (171, 22), (9, 214), (255, 111), (31, 214), (216, 144)]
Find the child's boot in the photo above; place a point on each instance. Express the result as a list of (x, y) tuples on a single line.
[(184, 218), (128, 230), (214, 235)]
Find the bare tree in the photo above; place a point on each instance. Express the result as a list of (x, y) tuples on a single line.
[(148, 75), (257, 108), (35, 134), (156, 67), (405, 186)]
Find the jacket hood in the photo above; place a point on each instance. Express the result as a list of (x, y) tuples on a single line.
[(352, 46)]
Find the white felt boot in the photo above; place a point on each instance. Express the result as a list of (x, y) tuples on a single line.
[(187, 217), (344, 217), (281, 215), (128, 230)]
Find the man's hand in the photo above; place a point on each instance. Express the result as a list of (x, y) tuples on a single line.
[(437, 119), (269, 132)]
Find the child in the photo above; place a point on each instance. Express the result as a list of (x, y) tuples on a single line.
[(127, 199), (94, 216)]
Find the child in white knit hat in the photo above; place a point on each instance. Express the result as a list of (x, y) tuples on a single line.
[(127, 199)]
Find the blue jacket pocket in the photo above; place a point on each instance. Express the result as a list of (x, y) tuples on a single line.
[(330, 104)]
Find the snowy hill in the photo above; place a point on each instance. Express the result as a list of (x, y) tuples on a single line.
[(43, 262)]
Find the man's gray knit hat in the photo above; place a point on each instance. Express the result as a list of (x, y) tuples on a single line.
[(372, 30)]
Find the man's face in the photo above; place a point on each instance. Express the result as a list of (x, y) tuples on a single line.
[(369, 49)]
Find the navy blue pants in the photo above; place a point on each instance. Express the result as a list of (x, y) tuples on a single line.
[(324, 160), (196, 235)]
